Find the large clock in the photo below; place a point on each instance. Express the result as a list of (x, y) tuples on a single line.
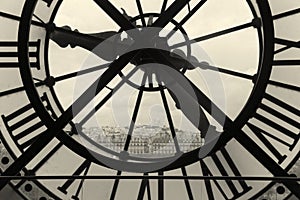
[(182, 99)]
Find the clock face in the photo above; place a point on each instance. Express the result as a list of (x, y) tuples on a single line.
[(148, 89)]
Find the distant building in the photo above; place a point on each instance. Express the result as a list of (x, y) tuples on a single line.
[(145, 139)]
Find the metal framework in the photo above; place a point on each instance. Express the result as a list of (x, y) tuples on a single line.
[(50, 121)]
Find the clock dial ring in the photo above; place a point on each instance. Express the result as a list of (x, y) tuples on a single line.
[(262, 75)]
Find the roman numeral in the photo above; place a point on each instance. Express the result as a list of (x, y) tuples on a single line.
[(83, 168), (9, 54), (229, 190), (279, 120), (24, 125)]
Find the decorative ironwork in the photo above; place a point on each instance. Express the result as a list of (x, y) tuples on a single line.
[(150, 56)]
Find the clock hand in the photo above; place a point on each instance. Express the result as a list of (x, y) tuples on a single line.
[(189, 96), (198, 96), (64, 36), (179, 94), (187, 105)]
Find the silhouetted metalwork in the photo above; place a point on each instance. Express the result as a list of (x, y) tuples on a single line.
[(129, 150)]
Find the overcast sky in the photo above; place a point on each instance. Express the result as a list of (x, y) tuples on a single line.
[(236, 51), (243, 58)]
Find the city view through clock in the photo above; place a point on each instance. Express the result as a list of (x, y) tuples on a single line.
[(140, 99)]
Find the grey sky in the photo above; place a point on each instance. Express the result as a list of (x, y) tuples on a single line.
[(241, 58), (225, 52)]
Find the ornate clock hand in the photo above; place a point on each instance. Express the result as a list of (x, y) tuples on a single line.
[(64, 36), (161, 57)]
